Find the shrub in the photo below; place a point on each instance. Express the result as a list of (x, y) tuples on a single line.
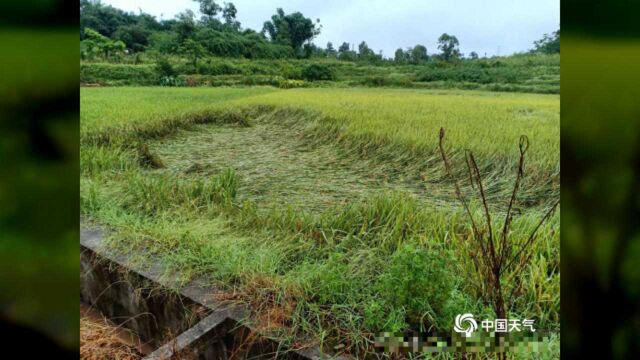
[(171, 81), (315, 72), (191, 81), (118, 74), (290, 84), (291, 72), (254, 80), (417, 283), (164, 68), (476, 74), (375, 81), (218, 68)]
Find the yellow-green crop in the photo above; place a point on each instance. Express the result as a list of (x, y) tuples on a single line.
[(487, 123), (321, 200)]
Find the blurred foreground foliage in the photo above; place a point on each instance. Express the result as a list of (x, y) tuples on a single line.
[(600, 198), (39, 183)]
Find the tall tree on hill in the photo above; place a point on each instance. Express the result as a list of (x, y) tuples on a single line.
[(193, 51), (104, 19), (330, 51), (209, 9), (96, 43), (398, 56), (448, 45), (345, 52), (292, 29), (185, 25), (364, 52), (549, 44), (135, 37), (419, 54), (229, 13)]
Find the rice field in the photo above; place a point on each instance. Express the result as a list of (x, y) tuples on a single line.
[(317, 204)]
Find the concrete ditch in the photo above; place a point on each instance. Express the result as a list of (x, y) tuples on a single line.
[(178, 324)]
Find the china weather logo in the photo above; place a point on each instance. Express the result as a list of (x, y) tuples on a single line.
[(465, 324)]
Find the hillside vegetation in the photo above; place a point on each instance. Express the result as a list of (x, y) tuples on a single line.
[(120, 48), (522, 73)]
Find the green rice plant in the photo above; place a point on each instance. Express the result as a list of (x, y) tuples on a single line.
[(150, 195), (96, 160), (308, 203)]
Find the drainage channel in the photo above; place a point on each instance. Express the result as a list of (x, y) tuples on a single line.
[(177, 324)]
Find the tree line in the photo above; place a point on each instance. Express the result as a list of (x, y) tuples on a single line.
[(107, 32)]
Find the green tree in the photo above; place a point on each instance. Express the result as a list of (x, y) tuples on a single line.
[(419, 54), (229, 13), (549, 44), (164, 68), (291, 29), (96, 43), (165, 42), (344, 52), (104, 19), (135, 37), (315, 72), (330, 51), (185, 25), (399, 56), (193, 51), (448, 45), (473, 55), (364, 52), (209, 9)]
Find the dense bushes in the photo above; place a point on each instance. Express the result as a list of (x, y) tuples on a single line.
[(514, 70), (521, 73), (315, 72), (475, 74), (416, 287), (218, 68), (112, 74), (240, 45), (164, 68)]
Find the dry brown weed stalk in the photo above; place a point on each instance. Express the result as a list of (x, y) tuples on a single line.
[(494, 255)]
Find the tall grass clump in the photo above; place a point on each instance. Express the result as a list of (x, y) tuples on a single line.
[(152, 194), (99, 160)]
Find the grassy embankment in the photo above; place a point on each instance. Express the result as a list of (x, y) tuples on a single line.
[(327, 210), (517, 73)]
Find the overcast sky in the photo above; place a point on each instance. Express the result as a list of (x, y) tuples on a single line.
[(494, 27)]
